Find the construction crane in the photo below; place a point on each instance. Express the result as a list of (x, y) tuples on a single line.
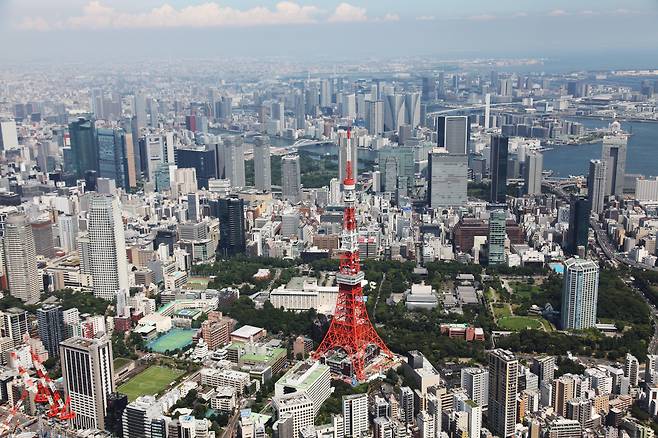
[(43, 389)]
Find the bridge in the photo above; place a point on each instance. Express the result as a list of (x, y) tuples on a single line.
[(479, 107)]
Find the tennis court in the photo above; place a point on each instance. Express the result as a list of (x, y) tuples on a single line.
[(174, 339)]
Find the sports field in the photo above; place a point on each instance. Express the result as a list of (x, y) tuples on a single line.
[(519, 323), (174, 339), (150, 381)]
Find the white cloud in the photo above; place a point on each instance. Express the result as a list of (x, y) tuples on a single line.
[(519, 14), (588, 12), (346, 12), (98, 16), (389, 17), (426, 18), (557, 13)]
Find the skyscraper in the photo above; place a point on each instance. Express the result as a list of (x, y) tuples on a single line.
[(578, 232), (614, 154), (139, 111), (428, 89), (503, 384), (580, 291), (291, 183), (234, 160), (230, 212), (51, 327), (394, 111), (447, 179), (112, 159), (20, 259), (355, 415), (496, 238), (88, 374), (262, 163), (107, 247), (412, 109), (498, 168), (453, 133), (198, 158), (596, 185), (83, 146), (532, 175), (375, 117), (8, 135)]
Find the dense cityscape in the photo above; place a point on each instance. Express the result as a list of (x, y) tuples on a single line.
[(424, 247)]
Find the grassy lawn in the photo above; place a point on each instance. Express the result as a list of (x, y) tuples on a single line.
[(524, 290), (120, 362), (150, 381), (502, 310), (519, 323)]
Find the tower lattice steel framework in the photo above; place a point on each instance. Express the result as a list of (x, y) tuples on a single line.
[(351, 329)]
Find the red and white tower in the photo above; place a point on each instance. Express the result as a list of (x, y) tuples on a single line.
[(351, 329)]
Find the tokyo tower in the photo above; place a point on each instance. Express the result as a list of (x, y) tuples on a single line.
[(350, 329)]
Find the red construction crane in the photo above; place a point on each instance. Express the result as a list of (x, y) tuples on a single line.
[(351, 329), (43, 389)]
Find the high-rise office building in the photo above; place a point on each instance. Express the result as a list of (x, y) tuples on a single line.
[(428, 89), (544, 368), (84, 147), (112, 155), (234, 160), (447, 179), (497, 236), (262, 163), (291, 182), (394, 111), (68, 232), (8, 135), (412, 109), (596, 188), (498, 168), (614, 154), (139, 111), (107, 247), (42, 231), (88, 374), (51, 327), (230, 212), (14, 325), (202, 160), (532, 175), (20, 259), (355, 415), (375, 117), (476, 383), (453, 133), (503, 384), (578, 232), (580, 291)]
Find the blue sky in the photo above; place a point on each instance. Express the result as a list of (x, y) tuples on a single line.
[(298, 27)]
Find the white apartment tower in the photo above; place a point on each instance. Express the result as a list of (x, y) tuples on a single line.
[(108, 263), (579, 294)]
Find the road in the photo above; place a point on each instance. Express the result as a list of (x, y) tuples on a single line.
[(379, 292)]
